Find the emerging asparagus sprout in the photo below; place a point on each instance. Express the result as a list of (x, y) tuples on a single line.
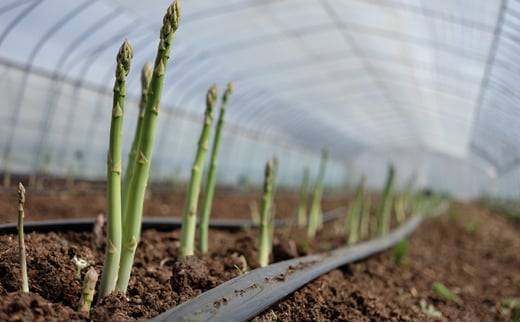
[(356, 211), (21, 241), (114, 232), (315, 216), (212, 173), (189, 219), (80, 265), (88, 291), (264, 248), (301, 217), (385, 206), (97, 231)]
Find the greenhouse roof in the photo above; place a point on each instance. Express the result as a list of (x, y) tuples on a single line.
[(431, 86)]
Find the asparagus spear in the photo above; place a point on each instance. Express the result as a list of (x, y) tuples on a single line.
[(356, 213), (365, 218), (189, 219), (302, 203), (146, 76), (315, 212), (21, 241), (88, 291), (264, 248), (385, 206), (113, 248), (132, 225), (212, 174)]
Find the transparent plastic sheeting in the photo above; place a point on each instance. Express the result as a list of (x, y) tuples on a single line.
[(428, 85)]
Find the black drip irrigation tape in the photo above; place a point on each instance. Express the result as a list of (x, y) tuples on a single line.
[(245, 296), (159, 223)]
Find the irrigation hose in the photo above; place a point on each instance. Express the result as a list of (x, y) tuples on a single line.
[(150, 222), (245, 296)]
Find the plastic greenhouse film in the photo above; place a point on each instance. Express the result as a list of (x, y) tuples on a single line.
[(245, 296)]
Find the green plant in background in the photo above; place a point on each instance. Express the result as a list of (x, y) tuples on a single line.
[(146, 77), (352, 221), (315, 212), (264, 248), (88, 290), (255, 212), (189, 219), (443, 291), (364, 226), (212, 174), (21, 241), (301, 216), (400, 249), (114, 165), (385, 205)]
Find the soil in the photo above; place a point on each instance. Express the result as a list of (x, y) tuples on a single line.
[(471, 250)]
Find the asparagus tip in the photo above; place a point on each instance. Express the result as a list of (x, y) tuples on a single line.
[(21, 193), (124, 56), (212, 95), (146, 74)]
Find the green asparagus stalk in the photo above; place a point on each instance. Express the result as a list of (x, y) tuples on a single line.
[(315, 212), (146, 76), (132, 225), (356, 213), (264, 248), (365, 218), (189, 219), (302, 202), (212, 174), (385, 206), (88, 291), (21, 241), (114, 234)]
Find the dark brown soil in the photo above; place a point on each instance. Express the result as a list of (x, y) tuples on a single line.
[(472, 251)]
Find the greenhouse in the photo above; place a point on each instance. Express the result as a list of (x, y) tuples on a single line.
[(288, 130)]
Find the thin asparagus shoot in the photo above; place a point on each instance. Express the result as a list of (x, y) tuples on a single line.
[(385, 206), (88, 291), (146, 76), (21, 241), (212, 173), (97, 231), (356, 213), (364, 226), (189, 219), (264, 248), (133, 218), (302, 201), (315, 212), (114, 232)]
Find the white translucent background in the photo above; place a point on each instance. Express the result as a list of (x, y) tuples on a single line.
[(431, 86)]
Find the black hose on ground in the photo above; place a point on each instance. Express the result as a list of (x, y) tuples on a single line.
[(245, 296)]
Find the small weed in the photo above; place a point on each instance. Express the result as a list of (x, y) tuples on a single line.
[(511, 308), (453, 215), (400, 249), (429, 309), (443, 291), (473, 227)]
